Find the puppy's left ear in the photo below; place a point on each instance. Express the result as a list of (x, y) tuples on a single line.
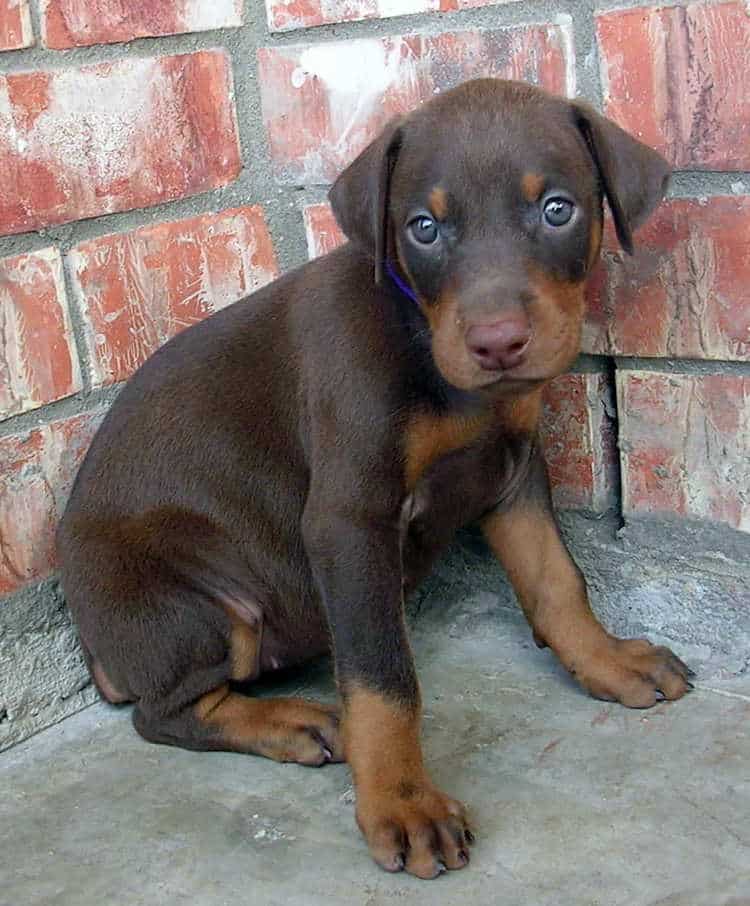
[(633, 176), (360, 196)]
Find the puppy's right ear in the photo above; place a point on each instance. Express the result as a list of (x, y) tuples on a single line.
[(360, 196)]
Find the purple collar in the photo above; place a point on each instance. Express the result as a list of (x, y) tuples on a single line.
[(403, 286)]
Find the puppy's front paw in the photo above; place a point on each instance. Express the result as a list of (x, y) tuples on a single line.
[(415, 827), (633, 672)]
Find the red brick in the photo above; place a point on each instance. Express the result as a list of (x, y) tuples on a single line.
[(684, 293), (684, 445), (322, 103), (78, 143), (15, 25), (38, 359), (136, 290), (579, 441), (36, 474), (74, 23), (322, 231), (676, 77), (284, 15)]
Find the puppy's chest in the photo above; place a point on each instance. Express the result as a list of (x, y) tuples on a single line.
[(470, 440), (430, 438)]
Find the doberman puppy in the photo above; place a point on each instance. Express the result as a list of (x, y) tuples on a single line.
[(272, 480)]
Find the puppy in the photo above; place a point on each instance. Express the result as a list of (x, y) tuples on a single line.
[(270, 481)]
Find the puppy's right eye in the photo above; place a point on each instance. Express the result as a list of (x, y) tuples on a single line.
[(424, 229)]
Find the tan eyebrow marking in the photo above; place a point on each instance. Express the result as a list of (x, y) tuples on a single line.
[(532, 185), (438, 202)]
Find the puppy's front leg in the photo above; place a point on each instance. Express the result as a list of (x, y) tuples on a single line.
[(407, 822), (524, 536)]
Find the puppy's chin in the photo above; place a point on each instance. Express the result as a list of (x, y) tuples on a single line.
[(463, 374)]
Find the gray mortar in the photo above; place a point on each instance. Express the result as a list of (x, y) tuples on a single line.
[(44, 677), (701, 606)]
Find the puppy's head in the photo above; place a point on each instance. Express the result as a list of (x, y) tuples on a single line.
[(487, 202)]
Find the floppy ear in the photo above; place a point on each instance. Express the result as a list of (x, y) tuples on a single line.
[(360, 196), (633, 176)]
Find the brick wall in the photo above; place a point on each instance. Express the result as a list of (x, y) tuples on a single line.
[(162, 159)]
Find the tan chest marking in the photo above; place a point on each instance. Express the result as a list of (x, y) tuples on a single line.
[(428, 437), (520, 414)]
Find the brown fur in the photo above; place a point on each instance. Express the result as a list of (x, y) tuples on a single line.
[(429, 436), (268, 484)]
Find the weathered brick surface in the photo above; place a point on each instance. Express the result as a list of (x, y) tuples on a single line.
[(322, 103), (579, 441), (284, 15), (685, 291), (73, 23), (136, 290), (684, 442), (77, 143), (322, 232), (38, 359), (36, 474), (676, 76), (15, 25)]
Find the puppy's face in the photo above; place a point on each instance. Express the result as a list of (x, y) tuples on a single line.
[(495, 225), (491, 206)]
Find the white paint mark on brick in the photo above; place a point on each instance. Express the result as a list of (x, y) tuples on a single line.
[(356, 75), (565, 24), (387, 8), (202, 15), (94, 129)]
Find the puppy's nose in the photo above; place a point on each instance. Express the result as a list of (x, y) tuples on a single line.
[(500, 345)]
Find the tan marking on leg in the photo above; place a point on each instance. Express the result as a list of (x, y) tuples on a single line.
[(406, 821), (284, 729), (246, 636), (381, 739), (245, 648), (209, 702), (438, 201), (553, 596), (107, 687), (532, 185)]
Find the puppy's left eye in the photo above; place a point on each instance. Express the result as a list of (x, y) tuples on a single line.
[(424, 229), (558, 211)]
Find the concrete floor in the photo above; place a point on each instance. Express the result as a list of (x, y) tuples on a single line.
[(575, 802)]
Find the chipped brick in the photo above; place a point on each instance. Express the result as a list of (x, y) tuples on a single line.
[(684, 440), (676, 76), (38, 359), (136, 290), (578, 438), (15, 25), (37, 470), (77, 143), (684, 292), (75, 23), (323, 103)]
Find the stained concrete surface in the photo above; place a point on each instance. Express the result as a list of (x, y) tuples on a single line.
[(575, 802)]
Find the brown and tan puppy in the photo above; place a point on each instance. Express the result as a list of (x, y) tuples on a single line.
[(268, 483)]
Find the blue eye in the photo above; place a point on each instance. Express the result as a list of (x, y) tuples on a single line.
[(424, 229), (558, 211)]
